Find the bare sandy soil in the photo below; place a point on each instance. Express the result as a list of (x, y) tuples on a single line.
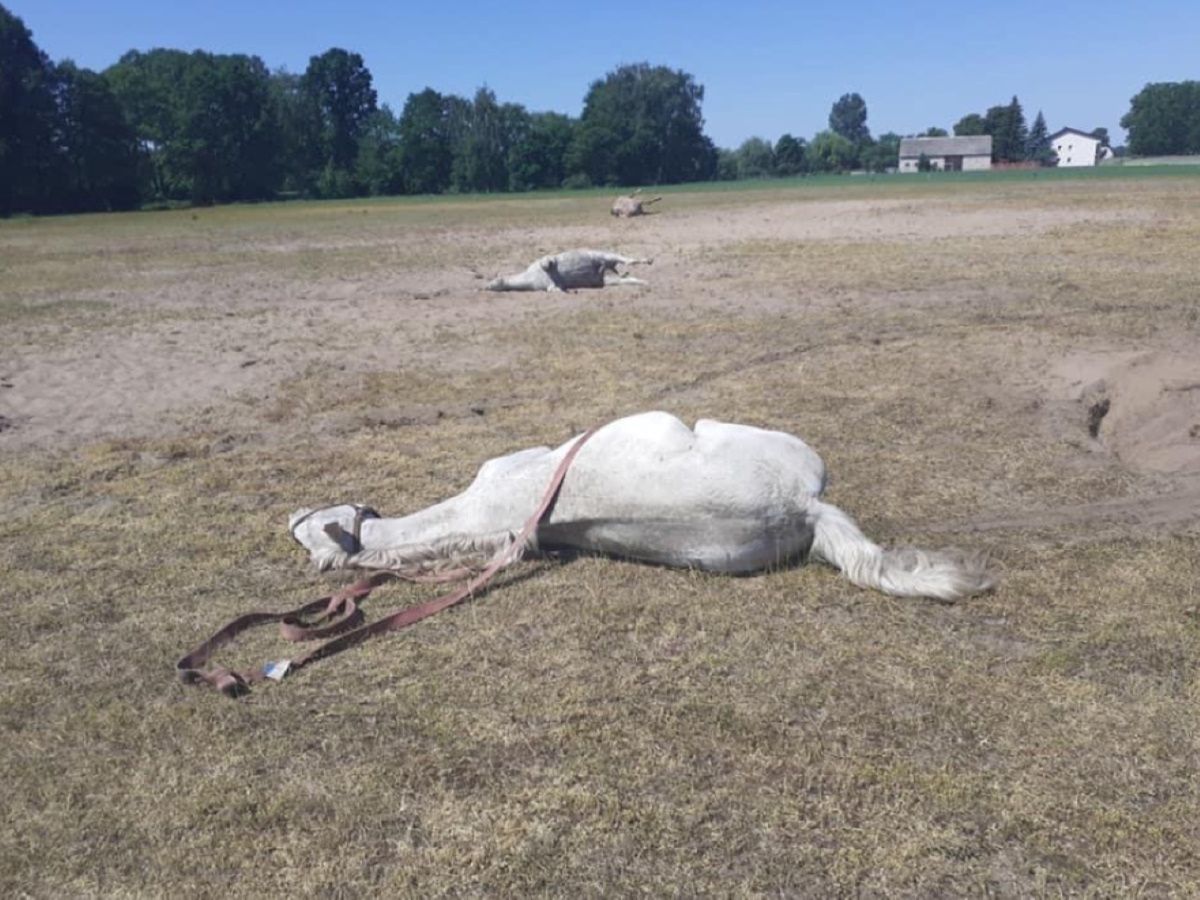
[(191, 350), (199, 345)]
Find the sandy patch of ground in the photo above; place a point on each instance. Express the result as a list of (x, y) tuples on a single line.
[(193, 342), (1143, 406), (208, 334)]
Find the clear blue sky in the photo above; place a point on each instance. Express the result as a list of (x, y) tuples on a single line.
[(767, 67)]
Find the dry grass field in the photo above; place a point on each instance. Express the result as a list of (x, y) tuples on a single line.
[(1008, 365)]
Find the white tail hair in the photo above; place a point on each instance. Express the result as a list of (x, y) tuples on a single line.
[(941, 574)]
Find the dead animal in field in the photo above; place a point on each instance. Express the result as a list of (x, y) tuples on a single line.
[(570, 270), (718, 497), (632, 205)]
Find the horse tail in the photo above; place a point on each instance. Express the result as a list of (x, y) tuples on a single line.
[(940, 574)]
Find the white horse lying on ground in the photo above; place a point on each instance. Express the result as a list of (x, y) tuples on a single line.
[(634, 204), (722, 498), (569, 270)]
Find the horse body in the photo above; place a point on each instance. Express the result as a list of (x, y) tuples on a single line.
[(634, 204), (720, 497), (570, 270)]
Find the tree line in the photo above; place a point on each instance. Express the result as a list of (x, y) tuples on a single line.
[(1163, 120), (847, 144), (167, 126), (1012, 140)]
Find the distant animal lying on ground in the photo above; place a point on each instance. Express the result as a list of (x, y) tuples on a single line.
[(721, 497), (569, 270), (632, 205)]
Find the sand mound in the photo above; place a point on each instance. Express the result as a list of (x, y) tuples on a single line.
[(1143, 407)]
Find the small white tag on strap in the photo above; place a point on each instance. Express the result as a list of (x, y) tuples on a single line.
[(277, 671)]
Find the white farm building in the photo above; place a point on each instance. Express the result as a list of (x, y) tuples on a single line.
[(1077, 148), (947, 154)]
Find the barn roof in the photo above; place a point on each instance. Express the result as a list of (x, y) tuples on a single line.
[(973, 145), (1063, 131)]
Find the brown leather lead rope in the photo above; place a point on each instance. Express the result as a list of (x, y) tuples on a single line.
[(341, 611)]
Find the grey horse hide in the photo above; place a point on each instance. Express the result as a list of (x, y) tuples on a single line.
[(627, 207), (569, 270), (720, 497)]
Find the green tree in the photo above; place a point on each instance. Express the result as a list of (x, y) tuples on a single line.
[(1006, 125), (1018, 136), (299, 144), (226, 141), (487, 133), (515, 124), (934, 132), (1037, 145), (27, 112), (147, 86), (642, 125), (831, 152), (969, 125), (755, 159), (210, 124), (995, 123), (458, 113), (726, 165), (848, 118), (882, 154), (538, 155), (425, 151), (1101, 134), (337, 88), (97, 148), (378, 169), (789, 155), (1164, 119)]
